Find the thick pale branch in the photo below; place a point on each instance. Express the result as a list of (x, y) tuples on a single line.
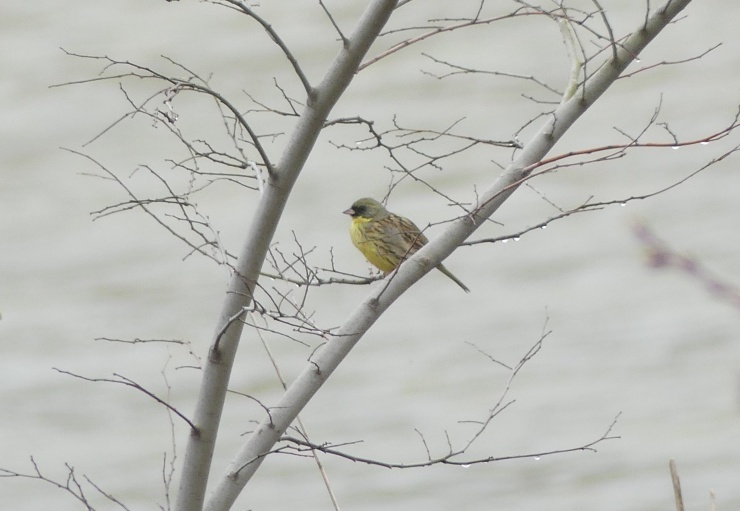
[(217, 369), (330, 355), (560, 121)]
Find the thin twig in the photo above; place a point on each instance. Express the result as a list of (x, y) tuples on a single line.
[(676, 485)]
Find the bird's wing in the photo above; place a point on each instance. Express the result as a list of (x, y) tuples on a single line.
[(404, 235)]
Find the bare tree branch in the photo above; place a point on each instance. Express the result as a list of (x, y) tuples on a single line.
[(598, 58), (448, 459), (241, 289), (323, 363), (660, 255), (244, 7), (72, 485), (122, 380)]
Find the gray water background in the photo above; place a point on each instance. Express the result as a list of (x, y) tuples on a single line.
[(655, 347)]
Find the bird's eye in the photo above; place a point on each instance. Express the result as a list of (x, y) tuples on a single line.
[(359, 210)]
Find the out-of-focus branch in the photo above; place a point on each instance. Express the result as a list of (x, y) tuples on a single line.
[(676, 486), (661, 255)]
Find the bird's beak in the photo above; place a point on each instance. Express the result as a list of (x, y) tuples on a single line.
[(349, 212)]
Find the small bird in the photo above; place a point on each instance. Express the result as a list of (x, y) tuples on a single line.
[(387, 239)]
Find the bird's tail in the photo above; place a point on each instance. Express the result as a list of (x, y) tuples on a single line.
[(457, 281)]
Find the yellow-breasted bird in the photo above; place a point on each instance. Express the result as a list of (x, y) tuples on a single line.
[(387, 239)]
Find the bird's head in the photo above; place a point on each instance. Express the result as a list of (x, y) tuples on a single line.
[(366, 208)]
